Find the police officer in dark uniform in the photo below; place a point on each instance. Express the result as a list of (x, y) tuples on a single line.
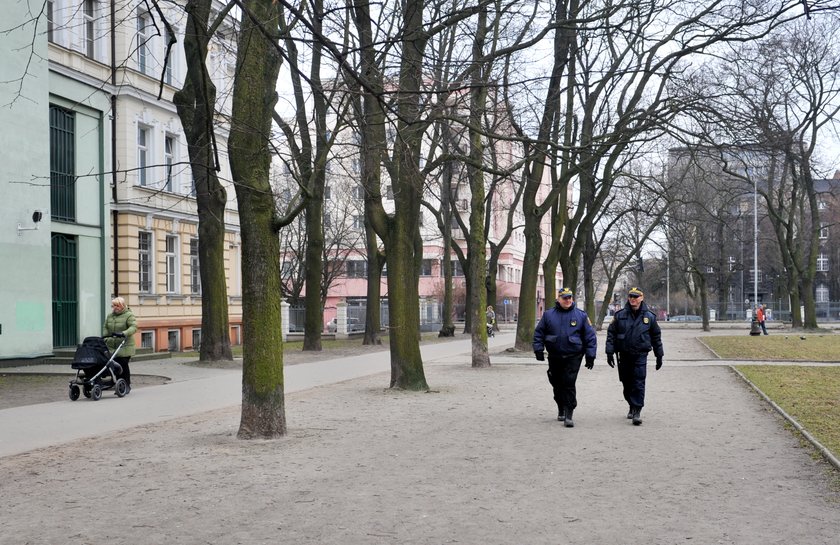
[(567, 334), (633, 333)]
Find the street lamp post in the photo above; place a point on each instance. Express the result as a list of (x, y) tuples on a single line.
[(755, 240)]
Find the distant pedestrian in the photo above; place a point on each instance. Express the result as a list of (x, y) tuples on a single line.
[(633, 333), (566, 332), (121, 323), (761, 317)]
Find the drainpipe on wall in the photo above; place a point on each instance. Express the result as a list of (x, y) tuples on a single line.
[(114, 213)]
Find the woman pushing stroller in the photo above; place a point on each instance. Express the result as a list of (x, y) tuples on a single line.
[(121, 322)]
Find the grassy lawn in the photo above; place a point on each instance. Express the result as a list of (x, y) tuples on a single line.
[(815, 347), (811, 395)]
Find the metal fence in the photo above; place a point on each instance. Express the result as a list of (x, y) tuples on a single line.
[(778, 311)]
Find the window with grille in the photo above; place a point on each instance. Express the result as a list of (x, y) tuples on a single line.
[(195, 271), (147, 339), (822, 295), (144, 260), (822, 263), (62, 163), (196, 339), (88, 27), (823, 231), (169, 161), (143, 36), (171, 260), (142, 155)]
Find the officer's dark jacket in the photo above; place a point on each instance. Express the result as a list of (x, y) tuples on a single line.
[(634, 334), (565, 332)]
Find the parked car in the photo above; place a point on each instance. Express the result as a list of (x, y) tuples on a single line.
[(685, 318), (353, 325)]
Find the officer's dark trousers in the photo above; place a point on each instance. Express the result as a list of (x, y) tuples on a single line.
[(562, 374), (632, 370)]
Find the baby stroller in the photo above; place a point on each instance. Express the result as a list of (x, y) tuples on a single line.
[(491, 332), (96, 369)]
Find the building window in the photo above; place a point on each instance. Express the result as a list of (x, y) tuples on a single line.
[(196, 339), (822, 263), (171, 260), (142, 154), (426, 267), (51, 20), (327, 193), (327, 220), (358, 222), (62, 163), (147, 339), (143, 36), (144, 259), (195, 270), (456, 268), (168, 71), (88, 27), (173, 337), (822, 294), (731, 263), (356, 269), (359, 193), (169, 161), (823, 231)]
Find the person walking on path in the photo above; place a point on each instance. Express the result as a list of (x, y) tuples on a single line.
[(121, 323), (631, 335), (566, 332), (761, 317)]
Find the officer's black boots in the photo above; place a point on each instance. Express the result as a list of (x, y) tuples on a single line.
[(568, 422), (561, 415), (630, 413), (637, 416)]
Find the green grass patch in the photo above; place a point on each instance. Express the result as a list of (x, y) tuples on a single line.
[(811, 395), (816, 347)]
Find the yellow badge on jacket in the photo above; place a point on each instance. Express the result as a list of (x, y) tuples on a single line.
[(574, 323), (646, 320)]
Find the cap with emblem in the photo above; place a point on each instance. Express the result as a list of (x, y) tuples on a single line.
[(565, 292), (634, 292)]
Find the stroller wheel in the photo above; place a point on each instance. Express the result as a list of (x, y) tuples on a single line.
[(121, 388), (96, 392), (74, 393), (86, 390)]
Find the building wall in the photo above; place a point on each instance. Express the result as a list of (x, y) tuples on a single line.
[(25, 291)]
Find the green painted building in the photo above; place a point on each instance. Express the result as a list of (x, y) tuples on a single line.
[(54, 226)]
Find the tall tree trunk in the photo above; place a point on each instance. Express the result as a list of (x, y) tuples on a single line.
[(254, 97), (476, 242), (196, 103)]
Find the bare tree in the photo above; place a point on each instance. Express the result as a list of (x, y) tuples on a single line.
[(254, 96)]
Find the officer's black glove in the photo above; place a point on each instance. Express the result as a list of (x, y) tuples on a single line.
[(658, 362), (540, 355), (120, 335), (610, 360), (590, 362)]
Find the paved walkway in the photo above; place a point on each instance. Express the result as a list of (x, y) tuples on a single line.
[(480, 459)]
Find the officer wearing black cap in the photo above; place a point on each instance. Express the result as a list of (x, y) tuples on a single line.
[(566, 332), (633, 333)]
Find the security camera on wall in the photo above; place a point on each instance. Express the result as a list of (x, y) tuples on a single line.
[(37, 216)]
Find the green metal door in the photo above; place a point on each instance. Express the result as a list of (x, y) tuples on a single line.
[(65, 291)]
